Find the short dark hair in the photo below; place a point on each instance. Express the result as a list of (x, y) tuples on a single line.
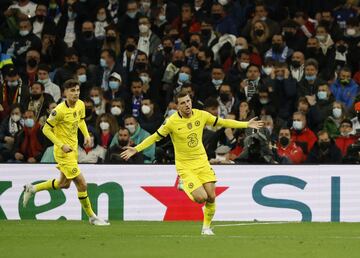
[(130, 116), (71, 83), (181, 94), (211, 102), (44, 67), (39, 83)]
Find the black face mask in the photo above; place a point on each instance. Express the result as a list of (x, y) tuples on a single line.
[(87, 34), (295, 64), (123, 142), (178, 63), (88, 112), (32, 62), (40, 18), (216, 16), (110, 39), (35, 96), (284, 141), (140, 66), (259, 33), (194, 44), (311, 51), (277, 48), (324, 145), (342, 49), (130, 48), (167, 50), (202, 64), (224, 97), (72, 65)]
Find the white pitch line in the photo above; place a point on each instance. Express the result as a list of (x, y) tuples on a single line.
[(253, 224)]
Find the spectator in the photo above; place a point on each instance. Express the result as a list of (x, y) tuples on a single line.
[(346, 137), (186, 23), (112, 40), (129, 55), (307, 27), (116, 88), (123, 140), (101, 23), (85, 82), (50, 87), (32, 60), (325, 151), (260, 36), (69, 25), (344, 88), (332, 122), (250, 85), (210, 89), (279, 51), (41, 20), (92, 154), (208, 35), (193, 50), (97, 96), (297, 65), (68, 70), (314, 52), (136, 97), (308, 86), (27, 8), (39, 100), (356, 120), (226, 100), (51, 105), (13, 90), (128, 22), (301, 134), (237, 73), (29, 144), (10, 128), (255, 55), (205, 59), (148, 41), (293, 39), (106, 127), (150, 118), (118, 110), (223, 22), (288, 149), (90, 113)]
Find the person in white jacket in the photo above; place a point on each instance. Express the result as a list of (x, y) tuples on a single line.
[(50, 87)]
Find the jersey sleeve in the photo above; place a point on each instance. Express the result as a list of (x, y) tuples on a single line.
[(217, 121), (164, 129), (55, 117), (82, 124)]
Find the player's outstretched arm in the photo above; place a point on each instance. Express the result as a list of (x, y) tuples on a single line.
[(128, 153), (230, 123)]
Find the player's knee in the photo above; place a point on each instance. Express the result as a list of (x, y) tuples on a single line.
[(201, 198), (82, 187), (211, 198)]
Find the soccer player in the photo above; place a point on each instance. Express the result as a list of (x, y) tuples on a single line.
[(62, 129), (186, 128)]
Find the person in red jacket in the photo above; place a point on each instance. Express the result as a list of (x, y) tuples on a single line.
[(301, 134), (186, 23), (346, 138), (288, 149)]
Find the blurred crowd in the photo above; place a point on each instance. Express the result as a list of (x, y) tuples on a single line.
[(294, 64)]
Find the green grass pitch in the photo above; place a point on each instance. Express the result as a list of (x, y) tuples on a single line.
[(177, 239)]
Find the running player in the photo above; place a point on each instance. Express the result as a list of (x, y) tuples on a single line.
[(186, 128), (62, 129)]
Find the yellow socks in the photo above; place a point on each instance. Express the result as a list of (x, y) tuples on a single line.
[(209, 212), (47, 185), (85, 203)]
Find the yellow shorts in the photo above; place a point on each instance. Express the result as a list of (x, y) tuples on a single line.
[(70, 171), (194, 178)]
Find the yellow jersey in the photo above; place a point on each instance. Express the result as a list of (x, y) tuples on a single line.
[(62, 128), (186, 135)]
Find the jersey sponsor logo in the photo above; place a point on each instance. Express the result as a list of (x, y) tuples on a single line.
[(193, 140), (189, 125), (197, 123)]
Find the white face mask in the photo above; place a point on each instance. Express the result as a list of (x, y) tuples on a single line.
[(143, 28), (15, 117), (244, 65), (238, 48), (351, 31), (171, 111), (104, 126), (115, 111), (337, 112), (162, 17), (145, 79), (298, 125), (24, 32), (96, 100), (145, 109), (100, 17), (131, 128), (267, 70)]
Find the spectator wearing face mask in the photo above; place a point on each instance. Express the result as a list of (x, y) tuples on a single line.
[(117, 109), (324, 151), (344, 88), (127, 62), (112, 40), (32, 60), (150, 118), (94, 153), (97, 96), (208, 35), (29, 145), (290, 32), (279, 51), (69, 25), (90, 113), (226, 100), (205, 59), (301, 134), (107, 66), (308, 86), (68, 69), (41, 20), (163, 55), (210, 88), (148, 41), (263, 102), (10, 127), (186, 23), (242, 44), (288, 149), (183, 77), (87, 45), (116, 88), (123, 140), (12, 91), (237, 73), (50, 87), (332, 122), (137, 135), (346, 137), (106, 127), (260, 36), (39, 100), (297, 65), (128, 23), (101, 22)]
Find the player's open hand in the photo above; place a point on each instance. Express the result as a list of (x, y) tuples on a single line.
[(128, 153), (87, 142), (66, 148), (256, 124)]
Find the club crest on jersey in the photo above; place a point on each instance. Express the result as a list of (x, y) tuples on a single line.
[(197, 122), (74, 170), (189, 125)]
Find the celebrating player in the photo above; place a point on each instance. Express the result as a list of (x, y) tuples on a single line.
[(186, 128), (62, 129)]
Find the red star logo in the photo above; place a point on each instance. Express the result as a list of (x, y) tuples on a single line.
[(179, 206)]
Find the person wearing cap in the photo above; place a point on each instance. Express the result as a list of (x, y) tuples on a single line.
[(12, 91), (116, 88), (67, 71), (346, 137), (356, 120)]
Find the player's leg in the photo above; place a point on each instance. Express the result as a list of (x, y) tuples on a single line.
[(81, 186), (54, 184), (199, 195), (210, 206)]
